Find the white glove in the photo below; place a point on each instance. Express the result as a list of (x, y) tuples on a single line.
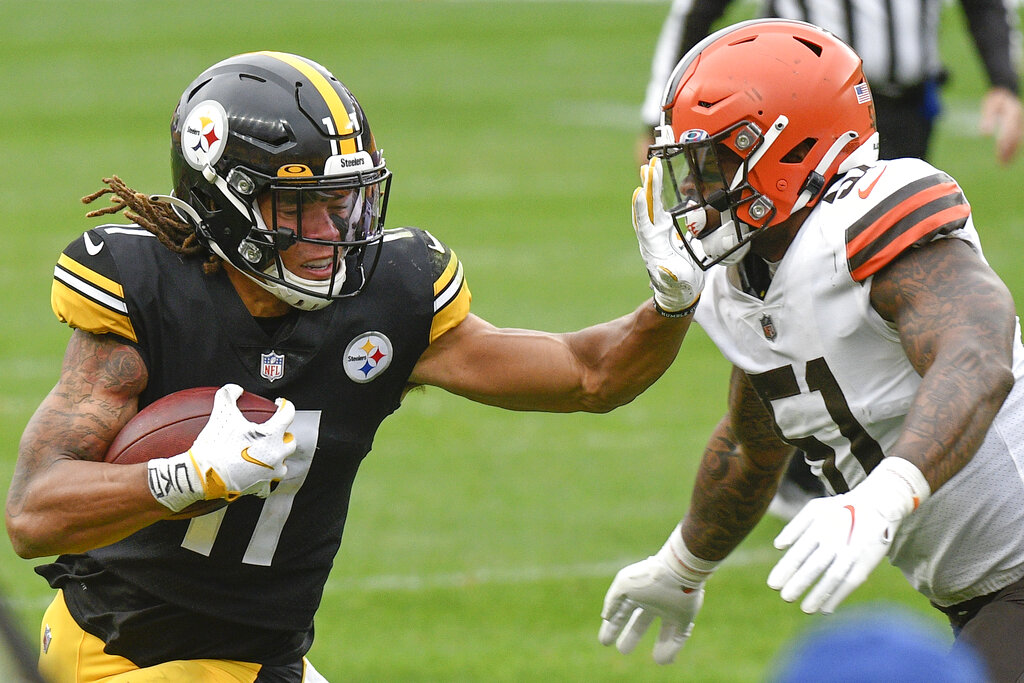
[(676, 280), (845, 537), (669, 585), (231, 457)]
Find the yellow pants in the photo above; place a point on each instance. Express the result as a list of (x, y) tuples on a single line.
[(67, 654)]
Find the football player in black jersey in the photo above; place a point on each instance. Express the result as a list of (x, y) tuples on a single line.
[(268, 270)]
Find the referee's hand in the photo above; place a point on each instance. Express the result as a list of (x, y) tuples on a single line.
[(1002, 115)]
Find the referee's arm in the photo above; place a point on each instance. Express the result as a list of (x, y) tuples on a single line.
[(994, 28)]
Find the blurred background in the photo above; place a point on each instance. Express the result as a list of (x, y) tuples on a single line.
[(480, 542)]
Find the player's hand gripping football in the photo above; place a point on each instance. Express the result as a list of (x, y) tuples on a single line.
[(231, 457), (676, 280), (660, 586), (841, 539)]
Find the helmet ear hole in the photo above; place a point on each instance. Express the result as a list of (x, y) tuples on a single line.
[(797, 154)]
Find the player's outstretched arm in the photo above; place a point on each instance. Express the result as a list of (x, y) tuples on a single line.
[(595, 369)]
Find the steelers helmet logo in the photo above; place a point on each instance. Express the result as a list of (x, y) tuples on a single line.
[(367, 356), (204, 134)]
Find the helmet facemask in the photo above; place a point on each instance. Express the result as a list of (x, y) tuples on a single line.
[(294, 197), (702, 172), (785, 106), (281, 214)]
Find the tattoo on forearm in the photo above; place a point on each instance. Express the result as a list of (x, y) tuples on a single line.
[(735, 482), (100, 380)]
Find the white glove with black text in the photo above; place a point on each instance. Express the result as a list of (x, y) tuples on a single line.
[(676, 280), (231, 457), (669, 585), (841, 539)]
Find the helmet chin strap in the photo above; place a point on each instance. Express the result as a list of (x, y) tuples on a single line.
[(305, 302), (823, 165), (180, 206), (286, 293)]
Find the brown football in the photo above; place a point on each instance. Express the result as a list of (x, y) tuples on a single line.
[(170, 425)]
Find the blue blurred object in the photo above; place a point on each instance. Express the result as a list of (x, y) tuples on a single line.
[(875, 644)]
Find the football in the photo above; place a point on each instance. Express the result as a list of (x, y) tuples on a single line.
[(170, 425)]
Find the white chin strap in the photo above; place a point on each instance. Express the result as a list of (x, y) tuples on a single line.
[(720, 241), (725, 239), (297, 299), (306, 302)]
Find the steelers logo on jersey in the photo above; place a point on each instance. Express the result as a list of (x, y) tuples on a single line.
[(204, 134), (367, 356)]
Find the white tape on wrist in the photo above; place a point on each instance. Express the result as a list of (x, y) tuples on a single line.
[(692, 570), (174, 482), (899, 482)]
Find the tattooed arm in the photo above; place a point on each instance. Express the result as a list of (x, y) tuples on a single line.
[(738, 475), (956, 321), (737, 478), (62, 497)]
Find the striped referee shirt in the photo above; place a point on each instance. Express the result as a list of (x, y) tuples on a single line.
[(897, 39)]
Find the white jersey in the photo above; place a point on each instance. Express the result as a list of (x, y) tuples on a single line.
[(836, 379)]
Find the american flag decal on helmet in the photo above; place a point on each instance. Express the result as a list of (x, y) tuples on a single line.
[(863, 92)]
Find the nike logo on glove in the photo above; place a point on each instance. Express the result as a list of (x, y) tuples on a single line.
[(853, 521), (248, 458), (863, 194)]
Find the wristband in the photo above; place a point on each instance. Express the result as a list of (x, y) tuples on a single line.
[(677, 314), (691, 570), (175, 482), (898, 485)]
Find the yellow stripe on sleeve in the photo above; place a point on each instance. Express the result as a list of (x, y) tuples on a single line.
[(90, 276), (72, 307), (445, 278), (451, 299)]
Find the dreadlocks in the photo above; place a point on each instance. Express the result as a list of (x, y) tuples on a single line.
[(158, 218)]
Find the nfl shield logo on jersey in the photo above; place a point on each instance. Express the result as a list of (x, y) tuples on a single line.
[(768, 327), (271, 366)]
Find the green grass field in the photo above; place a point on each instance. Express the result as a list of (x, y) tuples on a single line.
[(480, 542)]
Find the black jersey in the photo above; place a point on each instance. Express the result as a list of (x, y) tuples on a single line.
[(244, 582)]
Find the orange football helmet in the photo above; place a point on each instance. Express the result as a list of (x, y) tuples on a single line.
[(787, 98)]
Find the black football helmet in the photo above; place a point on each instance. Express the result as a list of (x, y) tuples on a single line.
[(279, 127)]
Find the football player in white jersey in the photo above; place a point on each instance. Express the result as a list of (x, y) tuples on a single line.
[(865, 329)]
